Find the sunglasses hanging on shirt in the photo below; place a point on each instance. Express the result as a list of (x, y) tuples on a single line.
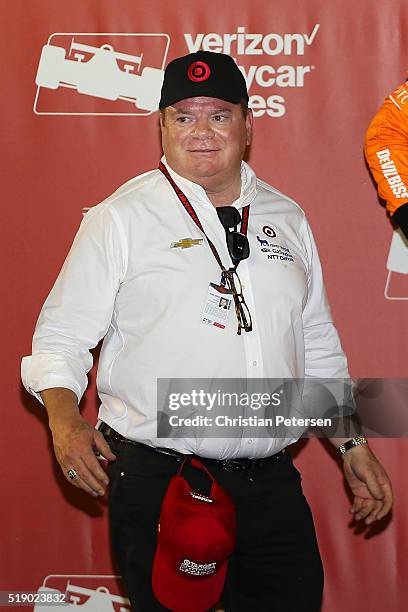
[(237, 243)]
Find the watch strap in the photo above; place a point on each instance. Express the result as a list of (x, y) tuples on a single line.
[(351, 443)]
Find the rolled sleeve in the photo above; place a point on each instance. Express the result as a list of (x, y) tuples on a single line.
[(78, 311)]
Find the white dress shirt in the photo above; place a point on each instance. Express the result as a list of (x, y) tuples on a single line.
[(123, 282)]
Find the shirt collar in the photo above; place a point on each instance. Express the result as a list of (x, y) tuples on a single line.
[(196, 193)]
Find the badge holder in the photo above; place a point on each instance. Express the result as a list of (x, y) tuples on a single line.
[(217, 306)]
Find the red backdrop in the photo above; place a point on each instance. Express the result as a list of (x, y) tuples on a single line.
[(317, 72)]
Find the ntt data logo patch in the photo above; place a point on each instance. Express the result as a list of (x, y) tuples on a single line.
[(91, 593), (101, 74)]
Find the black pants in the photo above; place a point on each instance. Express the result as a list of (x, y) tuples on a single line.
[(276, 566)]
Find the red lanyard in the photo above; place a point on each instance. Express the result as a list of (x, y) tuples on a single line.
[(190, 210)]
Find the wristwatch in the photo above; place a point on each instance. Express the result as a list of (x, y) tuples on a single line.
[(353, 442)]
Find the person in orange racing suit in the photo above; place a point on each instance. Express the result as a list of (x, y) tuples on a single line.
[(386, 151)]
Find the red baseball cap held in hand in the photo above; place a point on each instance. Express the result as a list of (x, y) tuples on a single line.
[(196, 536)]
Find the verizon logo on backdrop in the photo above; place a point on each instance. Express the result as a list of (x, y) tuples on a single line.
[(121, 74), (274, 66), (92, 593)]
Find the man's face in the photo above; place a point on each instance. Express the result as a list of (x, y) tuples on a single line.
[(204, 139)]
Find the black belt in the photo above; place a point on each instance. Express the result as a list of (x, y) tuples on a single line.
[(225, 464)]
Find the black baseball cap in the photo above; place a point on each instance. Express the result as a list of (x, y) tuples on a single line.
[(203, 73)]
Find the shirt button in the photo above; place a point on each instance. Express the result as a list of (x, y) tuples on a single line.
[(250, 441), (254, 363)]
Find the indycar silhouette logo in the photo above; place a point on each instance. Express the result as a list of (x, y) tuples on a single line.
[(396, 285), (102, 71), (89, 593)]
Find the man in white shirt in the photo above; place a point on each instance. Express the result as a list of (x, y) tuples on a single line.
[(144, 271)]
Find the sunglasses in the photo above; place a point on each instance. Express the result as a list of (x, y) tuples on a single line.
[(237, 243)]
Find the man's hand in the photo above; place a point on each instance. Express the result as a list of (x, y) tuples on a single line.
[(75, 445), (369, 484), (76, 442)]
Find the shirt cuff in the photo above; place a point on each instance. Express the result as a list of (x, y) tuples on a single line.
[(36, 375)]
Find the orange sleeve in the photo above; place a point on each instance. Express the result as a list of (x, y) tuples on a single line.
[(386, 149)]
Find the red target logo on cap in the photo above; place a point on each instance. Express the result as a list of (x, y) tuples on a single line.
[(198, 71)]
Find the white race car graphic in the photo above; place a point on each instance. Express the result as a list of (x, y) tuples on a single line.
[(397, 262), (77, 597), (100, 76)]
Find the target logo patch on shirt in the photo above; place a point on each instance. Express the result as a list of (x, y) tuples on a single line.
[(269, 231)]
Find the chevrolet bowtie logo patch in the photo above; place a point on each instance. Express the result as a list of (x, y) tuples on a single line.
[(186, 243)]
